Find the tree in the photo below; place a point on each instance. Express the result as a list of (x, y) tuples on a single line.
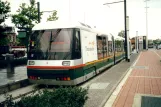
[(3, 36), (4, 10), (121, 34), (27, 15), (26, 18), (157, 41), (53, 16)]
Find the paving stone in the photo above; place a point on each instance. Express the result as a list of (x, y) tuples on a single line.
[(147, 79)]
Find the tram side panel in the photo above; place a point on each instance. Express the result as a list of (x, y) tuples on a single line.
[(95, 53), (89, 53)]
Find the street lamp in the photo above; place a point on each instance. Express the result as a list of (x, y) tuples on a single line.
[(126, 41), (146, 23), (136, 42), (38, 9)]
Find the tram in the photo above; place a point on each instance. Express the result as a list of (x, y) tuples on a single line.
[(63, 53)]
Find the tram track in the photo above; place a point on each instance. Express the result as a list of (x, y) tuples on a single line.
[(18, 93)]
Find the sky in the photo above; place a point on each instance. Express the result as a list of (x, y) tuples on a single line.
[(109, 18)]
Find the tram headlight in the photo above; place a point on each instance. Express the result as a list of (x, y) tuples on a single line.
[(31, 62), (66, 63)]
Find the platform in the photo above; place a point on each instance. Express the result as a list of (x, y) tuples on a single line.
[(142, 83)]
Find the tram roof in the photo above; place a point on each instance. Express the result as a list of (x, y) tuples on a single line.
[(62, 24), (66, 24)]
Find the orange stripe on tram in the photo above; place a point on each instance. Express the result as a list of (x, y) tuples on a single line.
[(56, 67)]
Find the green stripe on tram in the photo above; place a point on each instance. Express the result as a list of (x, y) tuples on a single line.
[(72, 73)]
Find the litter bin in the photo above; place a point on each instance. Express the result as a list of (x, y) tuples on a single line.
[(10, 64)]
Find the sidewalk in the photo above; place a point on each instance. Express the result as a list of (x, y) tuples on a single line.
[(142, 82), (102, 86)]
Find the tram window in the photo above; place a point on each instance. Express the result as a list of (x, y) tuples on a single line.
[(77, 42), (54, 44), (99, 47), (110, 48), (121, 46), (116, 46), (104, 47), (77, 45), (107, 51)]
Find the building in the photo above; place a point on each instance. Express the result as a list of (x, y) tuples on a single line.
[(10, 33)]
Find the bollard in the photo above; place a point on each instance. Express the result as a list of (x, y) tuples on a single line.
[(10, 64)]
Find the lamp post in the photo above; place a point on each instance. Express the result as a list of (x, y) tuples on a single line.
[(38, 9), (126, 41), (136, 42), (146, 23)]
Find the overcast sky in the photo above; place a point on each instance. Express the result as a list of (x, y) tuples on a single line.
[(109, 18)]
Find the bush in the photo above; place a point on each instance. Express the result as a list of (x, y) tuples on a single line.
[(61, 97)]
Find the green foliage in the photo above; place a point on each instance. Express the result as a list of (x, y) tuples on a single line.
[(157, 41), (118, 45), (4, 9), (9, 100), (121, 34), (118, 42), (3, 37), (61, 97), (21, 41), (53, 16), (4, 41), (27, 15)]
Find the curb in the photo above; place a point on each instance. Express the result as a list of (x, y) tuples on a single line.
[(14, 85)]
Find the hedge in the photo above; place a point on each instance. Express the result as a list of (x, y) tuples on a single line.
[(61, 97)]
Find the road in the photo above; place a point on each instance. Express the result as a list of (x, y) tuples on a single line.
[(19, 73)]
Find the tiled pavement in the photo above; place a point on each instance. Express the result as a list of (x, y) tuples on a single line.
[(145, 78), (158, 52)]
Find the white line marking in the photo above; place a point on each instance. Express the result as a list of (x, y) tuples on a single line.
[(137, 59), (144, 77), (157, 54), (114, 95)]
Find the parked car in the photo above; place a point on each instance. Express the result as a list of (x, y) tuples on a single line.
[(159, 46)]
